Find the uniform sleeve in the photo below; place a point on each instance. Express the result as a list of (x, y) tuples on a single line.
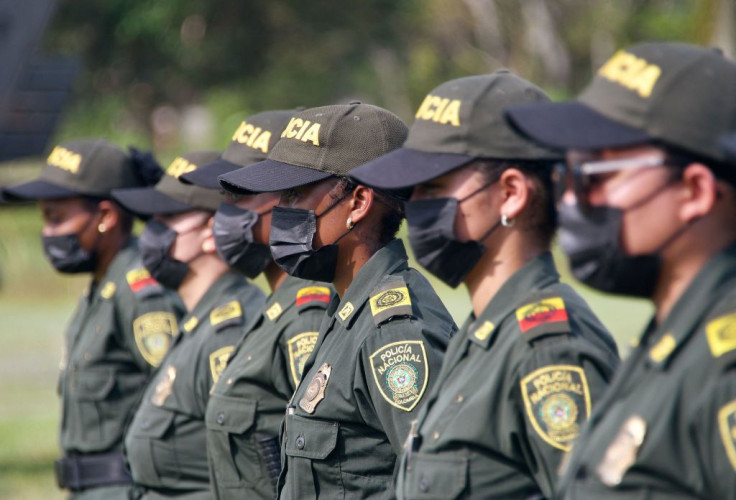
[(148, 317), (557, 383), (396, 370), (296, 344)]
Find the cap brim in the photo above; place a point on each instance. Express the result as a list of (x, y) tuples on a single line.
[(269, 176), (37, 190), (146, 202), (206, 176), (572, 125), (405, 167), (728, 143)]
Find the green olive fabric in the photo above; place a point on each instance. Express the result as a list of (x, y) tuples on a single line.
[(667, 426), (378, 352), (246, 408), (120, 331), (166, 442), (516, 385)]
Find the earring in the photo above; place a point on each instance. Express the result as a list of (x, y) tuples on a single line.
[(349, 224), (507, 221), (102, 227)]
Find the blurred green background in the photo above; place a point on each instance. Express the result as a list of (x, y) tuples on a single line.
[(181, 74)]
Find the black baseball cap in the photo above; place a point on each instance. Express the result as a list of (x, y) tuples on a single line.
[(458, 122), (254, 138), (84, 167), (675, 93), (319, 143), (169, 196), (728, 143)]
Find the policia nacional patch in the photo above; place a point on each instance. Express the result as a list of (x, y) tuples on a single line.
[(727, 426), (401, 372), (557, 401), (300, 347), (218, 361), (153, 332)]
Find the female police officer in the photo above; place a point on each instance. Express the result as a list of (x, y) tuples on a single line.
[(166, 442), (382, 341), (650, 213), (123, 325), (246, 407), (520, 378)]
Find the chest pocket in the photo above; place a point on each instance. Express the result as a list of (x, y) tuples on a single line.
[(149, 455), (92, 385), (310, 438), (435, 477), (309, 446), (231, 415)]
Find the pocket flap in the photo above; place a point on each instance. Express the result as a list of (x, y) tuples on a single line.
[(154, 422), (92, 385), (309, 438), (436, 477), (231, 415)]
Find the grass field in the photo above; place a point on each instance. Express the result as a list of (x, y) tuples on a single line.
[(35, 304)]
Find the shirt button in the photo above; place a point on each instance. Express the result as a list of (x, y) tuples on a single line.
[(435, 435), (423, 484), (459, 398), (229, 381), (249, 358), (220, 418), (300, 442)]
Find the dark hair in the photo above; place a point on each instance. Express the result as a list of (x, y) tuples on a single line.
[(391, 220), (126, 218), (541, 213), (681, 158)]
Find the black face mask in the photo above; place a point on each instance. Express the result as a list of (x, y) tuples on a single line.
[(592, 242), (155, 244), (433, 240), (66, 254), (291, 241), (233, 230)]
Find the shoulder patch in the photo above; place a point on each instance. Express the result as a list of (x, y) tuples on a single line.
[(142, 283), (721, 334), (313, 296), (108, 291), (727, 426), (227, 315), (401, 373), (300, 347), (153, 332), (390, 299), (557, 401), (218, 361), (543, 317)]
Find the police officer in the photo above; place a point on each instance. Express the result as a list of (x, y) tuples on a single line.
[(125, 321), (382, 341), (246, 407), (649, 212), (166, 442), (520, 378)]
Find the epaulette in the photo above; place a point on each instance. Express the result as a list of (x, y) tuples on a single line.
[(721, 335), (390, 299), (545, 315), (313, 296), (142, 283), (226, 315)]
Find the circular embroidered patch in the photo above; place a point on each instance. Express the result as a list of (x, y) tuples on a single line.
[(559, 411), (389, 298), (402, 378)]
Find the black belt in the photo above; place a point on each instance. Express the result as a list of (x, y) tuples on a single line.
[(77, 472)]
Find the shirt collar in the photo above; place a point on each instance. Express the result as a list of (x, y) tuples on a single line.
[(220, 292)]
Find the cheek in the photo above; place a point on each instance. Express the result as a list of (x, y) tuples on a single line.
[(474, 217), (261, 231), (647, 227), (185, 247)]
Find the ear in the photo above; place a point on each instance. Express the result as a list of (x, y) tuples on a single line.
[(361, 203), (515, 192), (109, 216), (700, 192), (208, 237)]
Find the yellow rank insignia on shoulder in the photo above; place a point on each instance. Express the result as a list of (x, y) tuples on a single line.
[(153, 332), (389, 300), (557, 401), (721, 334), (727, 426), (218, 361), (401, 372), (108, 291), (230, 313), (300, 347)]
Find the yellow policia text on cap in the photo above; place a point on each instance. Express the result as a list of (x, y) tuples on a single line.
[(634, 73), (302, 130), (252, 136), (179, 167), (440, 110), (64, 159)]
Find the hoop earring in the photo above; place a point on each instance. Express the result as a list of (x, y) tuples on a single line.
[(507, 221), (349, 223)]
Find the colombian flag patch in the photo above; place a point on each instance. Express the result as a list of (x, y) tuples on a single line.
[(544, 316), (313, 294)]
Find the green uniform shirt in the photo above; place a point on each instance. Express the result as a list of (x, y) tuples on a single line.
[(516, 385), (166, 442), (379, 350), (667, 426), (247, 404), (120, 332)]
